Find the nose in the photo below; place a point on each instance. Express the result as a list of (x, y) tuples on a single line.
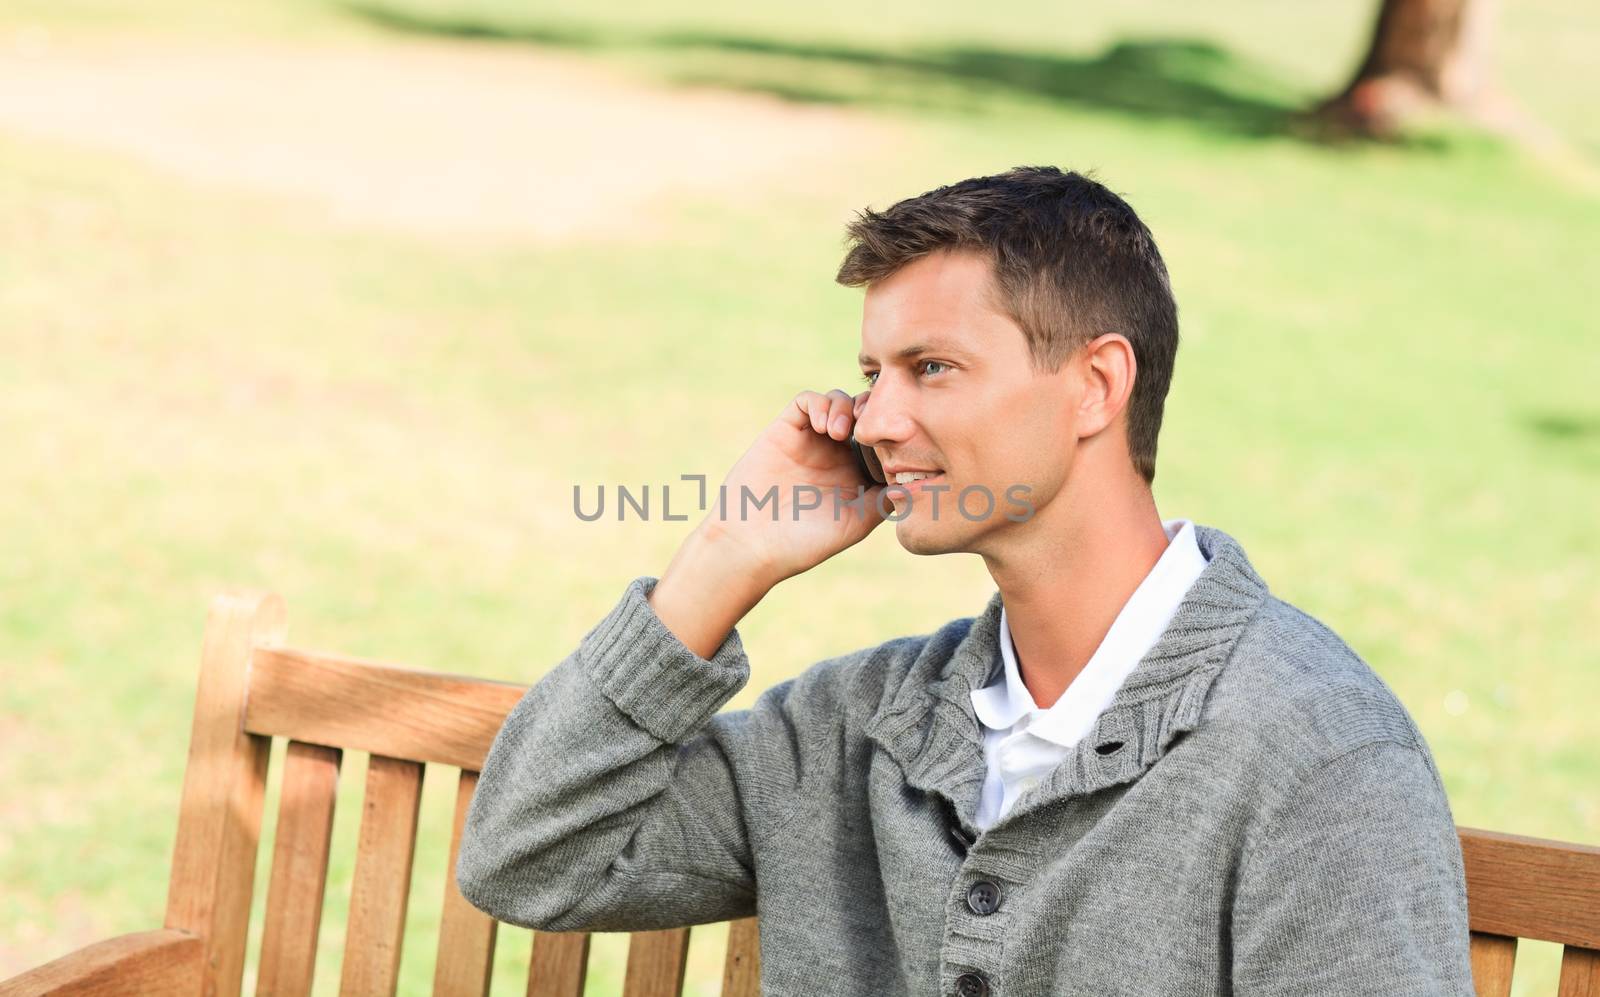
[(883, 420)]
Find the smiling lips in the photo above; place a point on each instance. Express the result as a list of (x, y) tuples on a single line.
[(908, 483)]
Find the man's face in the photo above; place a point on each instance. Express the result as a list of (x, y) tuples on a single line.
[(966, 404)]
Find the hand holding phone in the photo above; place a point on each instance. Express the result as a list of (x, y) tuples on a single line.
[(809, 462), (732, 559)]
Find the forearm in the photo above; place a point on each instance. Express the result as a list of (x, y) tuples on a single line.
[(595, 788)]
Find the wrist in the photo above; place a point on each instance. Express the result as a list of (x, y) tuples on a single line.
[(735, 562), (706, 590)]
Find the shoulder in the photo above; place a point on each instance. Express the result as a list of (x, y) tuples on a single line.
[(1305, 723), (1295, 690)]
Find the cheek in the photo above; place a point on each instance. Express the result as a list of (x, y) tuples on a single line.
[(1000, 462), (1021, 436), (1037, 453)]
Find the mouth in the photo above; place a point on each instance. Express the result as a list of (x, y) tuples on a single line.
[(912, 481)]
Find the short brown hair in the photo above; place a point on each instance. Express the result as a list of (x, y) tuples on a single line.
[(1071, 260)]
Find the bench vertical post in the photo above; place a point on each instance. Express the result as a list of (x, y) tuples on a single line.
[(224, 787)]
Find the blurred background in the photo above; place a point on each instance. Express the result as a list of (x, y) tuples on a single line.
[(341, 299)]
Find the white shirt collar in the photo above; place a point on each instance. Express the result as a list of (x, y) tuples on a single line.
[(1005, 700)]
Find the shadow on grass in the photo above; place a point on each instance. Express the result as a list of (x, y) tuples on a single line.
[(1575, 436), (1564, 426), (1181, 79)]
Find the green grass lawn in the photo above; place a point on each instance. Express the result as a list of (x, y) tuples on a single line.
[(1385, 391)]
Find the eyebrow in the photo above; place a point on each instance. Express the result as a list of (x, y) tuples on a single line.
[(916, 350)]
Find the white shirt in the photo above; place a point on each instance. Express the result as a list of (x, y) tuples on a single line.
[(1021, 742)]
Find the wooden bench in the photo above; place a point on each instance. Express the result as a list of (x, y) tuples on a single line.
[(253, 689)]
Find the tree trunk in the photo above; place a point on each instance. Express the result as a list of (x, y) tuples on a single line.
[(1424, 54)]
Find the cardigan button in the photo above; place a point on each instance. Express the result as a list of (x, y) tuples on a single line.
[(972, 985), (984, 897)]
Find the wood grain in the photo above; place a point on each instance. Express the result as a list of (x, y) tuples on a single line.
[(299, 870), (656, 963), (164, 963), (224, 788), (384, 709), (387, 841), (1493, 957), (1580, 972), (1532, 887), (466, 934), (741, 972), (559, 965)]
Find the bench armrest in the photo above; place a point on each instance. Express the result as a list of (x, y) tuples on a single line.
[(163, 963)]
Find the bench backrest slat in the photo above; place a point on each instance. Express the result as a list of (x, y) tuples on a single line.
[(310, 787), (1580, 972), (466, 934), (560, 964), (1493, 958), (741, 973), (382, 882), (656, 963)]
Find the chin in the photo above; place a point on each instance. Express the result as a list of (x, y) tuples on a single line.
[(919, 535)]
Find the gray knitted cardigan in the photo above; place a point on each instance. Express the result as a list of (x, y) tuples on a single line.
[(1254, 813)]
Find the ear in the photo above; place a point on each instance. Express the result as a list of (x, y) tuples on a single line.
[(1107, 368)]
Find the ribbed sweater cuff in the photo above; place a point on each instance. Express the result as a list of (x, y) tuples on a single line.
[(651, 675)]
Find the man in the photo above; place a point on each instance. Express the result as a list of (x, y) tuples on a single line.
[(1136, 772)]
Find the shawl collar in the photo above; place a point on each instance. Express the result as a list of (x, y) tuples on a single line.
[(930, 729)]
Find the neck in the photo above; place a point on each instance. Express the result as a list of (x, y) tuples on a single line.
[(1064, 584)]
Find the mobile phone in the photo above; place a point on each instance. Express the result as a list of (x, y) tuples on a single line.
[(867, 461)]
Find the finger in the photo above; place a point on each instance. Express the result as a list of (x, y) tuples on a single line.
[(860, 402), (817, 403), (840, 415), (801, 412)]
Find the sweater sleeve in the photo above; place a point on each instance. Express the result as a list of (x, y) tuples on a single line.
[(1356, 886), (613, 799)]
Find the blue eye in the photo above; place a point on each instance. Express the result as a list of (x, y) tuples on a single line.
[(870, 377)]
